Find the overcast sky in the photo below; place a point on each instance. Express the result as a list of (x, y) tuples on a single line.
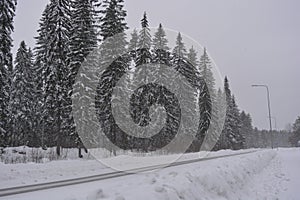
[(251, 41)]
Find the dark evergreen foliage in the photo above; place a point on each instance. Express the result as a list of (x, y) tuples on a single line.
[(7, 10), (35, 95)]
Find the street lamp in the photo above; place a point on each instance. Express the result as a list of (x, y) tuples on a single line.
[(269, 108)]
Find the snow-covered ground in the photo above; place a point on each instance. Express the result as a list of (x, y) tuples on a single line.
[(265, 174), (20, 174)]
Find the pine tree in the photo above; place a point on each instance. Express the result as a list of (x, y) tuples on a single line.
[(133, 43), (52, 50), (227, 129), (83, 41), (247, 129), (206, 73), (161, 54), (231, 131), (112, 30), (179, 48), (295, 138), (7, 10), (113, 21), (83, 35), (191, 74), (160, 41), (205, 106), (36, 138), (207, 95), (41, 75), (192, 57), (145, 35), (22, 98), (237, 139), (142, 57), (218, 120)]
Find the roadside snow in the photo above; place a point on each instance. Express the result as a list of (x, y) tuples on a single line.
[(20, 174), (224, 178)]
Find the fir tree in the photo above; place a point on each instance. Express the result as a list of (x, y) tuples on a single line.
[(192, 57), (7, 10), (113, 20), (22, 99), (231, 131), (52, 50), (295, 138), (237, 139), (191, 74), (205, 106), (143, 57), (247, 129), (83, 35), (179, 48), (160, 41), (133, 43), (145, 35), (83, 41), (218, 116), (206, 73), (42, 72), (114, 44), (161, 55)]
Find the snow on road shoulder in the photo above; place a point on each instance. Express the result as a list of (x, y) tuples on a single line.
[(222, 178), (20, 174)]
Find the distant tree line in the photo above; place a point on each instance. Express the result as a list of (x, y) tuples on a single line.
[(295, 133), (36, 89)]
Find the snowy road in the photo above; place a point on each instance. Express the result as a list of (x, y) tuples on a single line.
[(267, 174)]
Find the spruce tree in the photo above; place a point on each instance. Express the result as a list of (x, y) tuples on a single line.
[(41, 75), (237, 139), (179, 48), (227, 129), (191, 75), (83, 37), (205, 110), (206, 73), (231, 131), (247, 129), (22, 99), (218, 120), (7, 10), (160, 41), (112, 31), (83, 41), (52, 50), (161, 54), (192, 57), (295, 138), (145, 40), (133, 43)]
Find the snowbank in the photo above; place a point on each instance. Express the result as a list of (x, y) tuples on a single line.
[(223, 178)]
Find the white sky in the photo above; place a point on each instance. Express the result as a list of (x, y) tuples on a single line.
[(251, 41)]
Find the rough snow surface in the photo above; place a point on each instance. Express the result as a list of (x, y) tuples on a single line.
[(20, 174), (265, 174)]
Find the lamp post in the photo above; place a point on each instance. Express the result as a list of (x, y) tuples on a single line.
[(269, 108)]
